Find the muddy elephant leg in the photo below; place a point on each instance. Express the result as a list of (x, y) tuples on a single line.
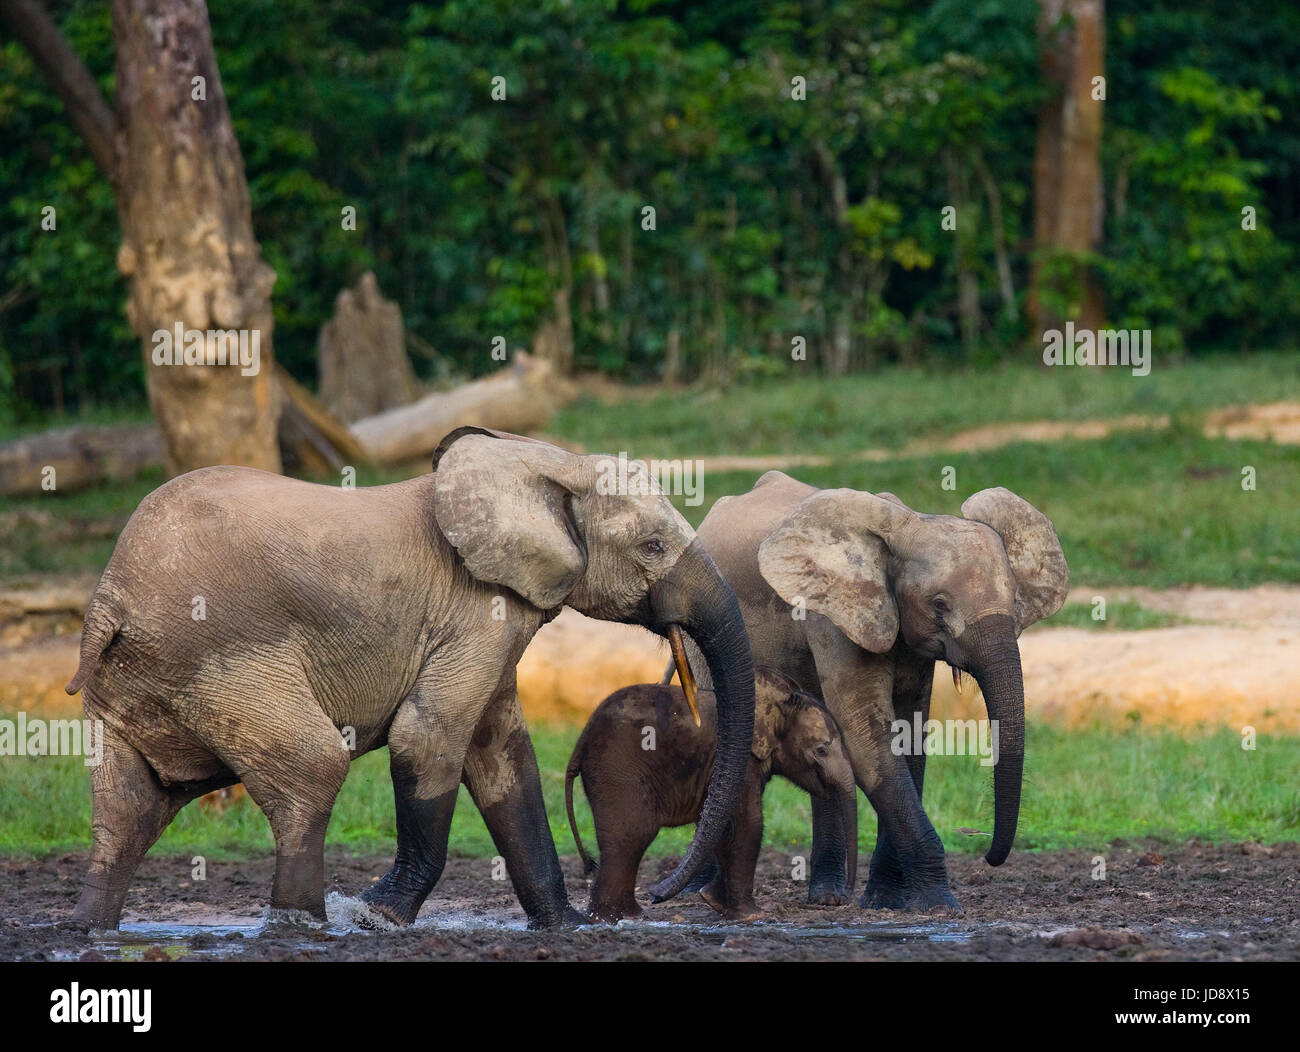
[(858, 688), (426, 769), (129, 811), (622, 839), (827, 871), (913, 680), (732, 893), (502, 776), (294, 776)]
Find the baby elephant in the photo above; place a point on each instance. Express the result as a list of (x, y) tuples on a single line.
[(646, 765)]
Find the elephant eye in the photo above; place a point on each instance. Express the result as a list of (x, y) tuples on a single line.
[(940, 605), (822, 750), (653, 546)]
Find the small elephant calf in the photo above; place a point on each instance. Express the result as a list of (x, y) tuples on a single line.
[(646, 765)]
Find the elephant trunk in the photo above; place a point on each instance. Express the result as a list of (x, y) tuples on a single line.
[(995, 663), (848, 797), (695, 596)]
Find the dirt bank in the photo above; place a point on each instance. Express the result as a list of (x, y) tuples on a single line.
[(1235, 664)]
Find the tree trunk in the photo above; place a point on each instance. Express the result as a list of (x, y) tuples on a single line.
[(1067, 165), (188, 249)]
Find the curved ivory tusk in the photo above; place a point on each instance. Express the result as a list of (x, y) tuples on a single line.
[(684, 673)]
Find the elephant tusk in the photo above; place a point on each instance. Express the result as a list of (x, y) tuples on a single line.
[(684, 673), (956, 678)]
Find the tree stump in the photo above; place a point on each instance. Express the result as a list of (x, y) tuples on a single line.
[(363, 365)]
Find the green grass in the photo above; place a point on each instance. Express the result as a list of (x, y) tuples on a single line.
[(1083, 789), (1157, 508), (1125, 616), (812, 414)]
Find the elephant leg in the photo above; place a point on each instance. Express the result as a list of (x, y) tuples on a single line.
[(858, 689), (827, 870), (426, 766), (913, 680), (129, 811), (623, 840), (502, 776), (294, 776), (732, 894)]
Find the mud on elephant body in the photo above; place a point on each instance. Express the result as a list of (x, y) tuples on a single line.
[(389, 615), (855, 596), (645, 765)]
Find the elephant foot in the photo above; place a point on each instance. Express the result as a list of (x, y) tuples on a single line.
[(380, 916), (613, 912), (934, 899), (564, 918), (829, 894), (393, 905)]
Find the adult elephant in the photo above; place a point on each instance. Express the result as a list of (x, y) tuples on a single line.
[(255, 628), (855, 596)]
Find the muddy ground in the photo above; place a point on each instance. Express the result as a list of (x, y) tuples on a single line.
[(1193, 902)]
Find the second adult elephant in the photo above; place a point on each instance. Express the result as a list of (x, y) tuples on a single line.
[(855, 596)]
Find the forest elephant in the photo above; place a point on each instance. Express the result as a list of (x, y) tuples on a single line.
[(855, 596), (256, 628), (645, 765)]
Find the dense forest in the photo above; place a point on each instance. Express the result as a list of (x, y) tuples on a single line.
[(680, 190)]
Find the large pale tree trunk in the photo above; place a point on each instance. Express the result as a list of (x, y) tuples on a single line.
[(1067, 165), (188, 250)]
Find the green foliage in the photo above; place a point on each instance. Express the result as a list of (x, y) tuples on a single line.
[(774, 217)]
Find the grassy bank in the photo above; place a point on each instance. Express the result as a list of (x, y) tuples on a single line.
[(1156, 508), (1083, 789)]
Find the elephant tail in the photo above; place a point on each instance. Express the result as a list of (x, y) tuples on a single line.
[(97, 632), (589, 864)]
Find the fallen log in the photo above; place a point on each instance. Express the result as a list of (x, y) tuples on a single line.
[(70, 458), (520, 398)]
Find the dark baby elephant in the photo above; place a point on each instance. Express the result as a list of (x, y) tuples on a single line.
[(646, 765)]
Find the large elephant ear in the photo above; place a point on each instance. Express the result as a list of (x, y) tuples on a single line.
[(830, 553), (503, 503), (1033, 549)]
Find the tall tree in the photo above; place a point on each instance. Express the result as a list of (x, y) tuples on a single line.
[(188, 250), (1067, 164)]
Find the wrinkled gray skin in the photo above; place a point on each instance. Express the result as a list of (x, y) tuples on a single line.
[(635, 791), (884, 592), (397, 614)]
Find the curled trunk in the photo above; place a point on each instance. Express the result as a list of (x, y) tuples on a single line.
[(695, 596)]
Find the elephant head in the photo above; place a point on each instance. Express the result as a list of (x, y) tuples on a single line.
[(955, 589), (798, 737), (596, 533)]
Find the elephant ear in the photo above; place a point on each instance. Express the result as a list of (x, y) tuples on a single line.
[(1033, 549), (503, 503), (830, 552), (772, 693)]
